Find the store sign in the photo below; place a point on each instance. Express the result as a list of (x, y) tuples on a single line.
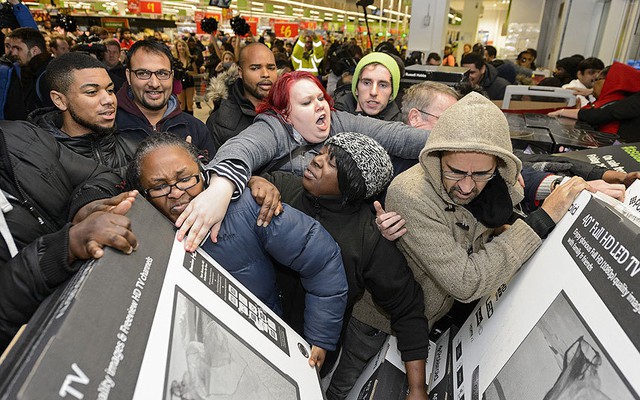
[(310, 25), (253, 24), (286, 30), (113, 24), (133, 6), (151, 7)]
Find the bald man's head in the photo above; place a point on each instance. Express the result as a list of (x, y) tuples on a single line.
[(250, 51), (258, 71)]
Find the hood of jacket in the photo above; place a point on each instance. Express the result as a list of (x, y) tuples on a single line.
[(490, 75), (110, 150), (220, 85), (622, 80), (49, 119), (473, 124)]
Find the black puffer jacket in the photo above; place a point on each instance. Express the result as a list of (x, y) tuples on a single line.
[(113, 151), (234, 112), (39, 177)]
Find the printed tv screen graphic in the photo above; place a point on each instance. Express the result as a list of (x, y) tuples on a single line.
[(559, 359), (208, 361)]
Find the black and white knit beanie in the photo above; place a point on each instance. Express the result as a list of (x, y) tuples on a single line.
[(370, 158)]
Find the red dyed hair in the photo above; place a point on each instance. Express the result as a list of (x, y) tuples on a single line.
[(278, 99)]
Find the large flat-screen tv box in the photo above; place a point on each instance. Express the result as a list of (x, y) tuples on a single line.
[(160, 323)]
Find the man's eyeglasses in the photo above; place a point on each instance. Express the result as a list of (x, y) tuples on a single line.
[(476, 176), (164, 189), (145, 74), (426, 113), (524, 59)]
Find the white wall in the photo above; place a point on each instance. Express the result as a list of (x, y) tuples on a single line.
[(581, 29), (613, 31), (428, 26), (492, 21), (526, 11)]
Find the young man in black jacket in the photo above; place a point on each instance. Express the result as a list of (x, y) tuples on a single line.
[(39, 246), (350, 169), (84, 116)]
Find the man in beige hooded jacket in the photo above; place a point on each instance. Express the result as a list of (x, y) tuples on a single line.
[(463, 241)]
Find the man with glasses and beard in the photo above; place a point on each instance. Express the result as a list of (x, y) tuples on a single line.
[(146, 104), (84, 115), (463, 238)]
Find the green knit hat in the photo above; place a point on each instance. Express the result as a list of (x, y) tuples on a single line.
[(380, 58)]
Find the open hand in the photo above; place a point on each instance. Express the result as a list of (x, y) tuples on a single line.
[(119, 204)]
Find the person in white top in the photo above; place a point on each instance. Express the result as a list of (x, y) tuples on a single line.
[(588, 70)]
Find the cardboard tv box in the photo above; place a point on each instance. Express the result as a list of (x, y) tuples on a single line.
[(566, 325), (157, 324), (384, 377)]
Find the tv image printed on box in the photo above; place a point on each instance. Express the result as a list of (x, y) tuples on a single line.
[(161, 323), (566, 325)]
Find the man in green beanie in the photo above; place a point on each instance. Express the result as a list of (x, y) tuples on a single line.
[(374, 88)]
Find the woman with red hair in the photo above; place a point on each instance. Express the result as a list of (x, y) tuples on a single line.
[(617, 106), (293, 122)]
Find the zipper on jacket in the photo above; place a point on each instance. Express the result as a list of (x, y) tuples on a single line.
[(97, 154), (38, 215), (316, 208), (32, 210)]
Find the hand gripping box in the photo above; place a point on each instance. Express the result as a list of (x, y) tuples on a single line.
[(157, 324), (566, 326)]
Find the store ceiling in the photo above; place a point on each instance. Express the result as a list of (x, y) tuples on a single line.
[(394, 9), (458, 5)]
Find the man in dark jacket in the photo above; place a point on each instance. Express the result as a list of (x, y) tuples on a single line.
[(485, 75), (39, 247), (28, 90), (167, 171), (375, 85), (146, 104), (349, 169), (237, 92), (112, 61), (85, 111)]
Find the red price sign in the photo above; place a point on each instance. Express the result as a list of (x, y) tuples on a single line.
[(286, 30), (151, 7), (254, 27), (133, 6)]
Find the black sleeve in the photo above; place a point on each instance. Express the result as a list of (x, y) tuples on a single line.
[(627, 108), (393, 288), (540, 222), (29, 277)]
